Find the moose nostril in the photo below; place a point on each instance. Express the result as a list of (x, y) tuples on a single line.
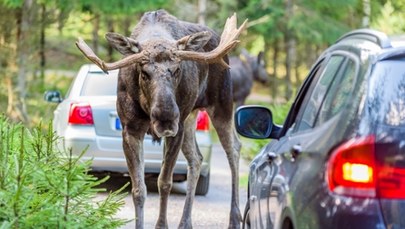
[(162, 112), (155, 114)]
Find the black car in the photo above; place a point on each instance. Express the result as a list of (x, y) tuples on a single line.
[(338, 161)]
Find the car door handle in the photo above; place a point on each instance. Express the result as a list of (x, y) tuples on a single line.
[(296, 150)]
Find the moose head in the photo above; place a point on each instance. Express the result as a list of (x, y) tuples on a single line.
[(159, 58)]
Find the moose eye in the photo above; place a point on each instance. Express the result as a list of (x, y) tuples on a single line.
[(175, 72), (144, 75)]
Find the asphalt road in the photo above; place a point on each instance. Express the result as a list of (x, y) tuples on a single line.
[(210, 211)]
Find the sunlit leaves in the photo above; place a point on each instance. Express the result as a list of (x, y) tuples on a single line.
[(12, 3)]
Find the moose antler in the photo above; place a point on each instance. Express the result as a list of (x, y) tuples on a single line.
[(228, 41), (88, 52)]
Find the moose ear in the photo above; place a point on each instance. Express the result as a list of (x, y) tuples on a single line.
[(122, 44), (260, 56), (194, 42), (260, 59)]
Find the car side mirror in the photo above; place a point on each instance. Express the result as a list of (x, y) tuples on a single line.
[(254, 122), (53, 96)]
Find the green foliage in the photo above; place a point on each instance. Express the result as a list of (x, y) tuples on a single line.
[(321, 22), (127, 7), (43, 187), (12, 3), (270, 15), (310, 21), (391, 19)]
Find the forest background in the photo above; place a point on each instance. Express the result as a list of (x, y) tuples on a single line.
[(38, 52)]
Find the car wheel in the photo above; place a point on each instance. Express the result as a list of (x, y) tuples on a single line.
[(246, 219), (203, 185)]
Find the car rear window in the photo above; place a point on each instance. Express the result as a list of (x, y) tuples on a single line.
[(100, 84), (387, 92)]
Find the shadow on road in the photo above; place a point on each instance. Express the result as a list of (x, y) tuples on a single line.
[(116, 181)]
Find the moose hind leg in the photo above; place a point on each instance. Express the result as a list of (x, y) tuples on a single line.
[(194, 160), (232, 145)]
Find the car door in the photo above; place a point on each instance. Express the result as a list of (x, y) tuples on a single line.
[(311, 130), (313, 133), (267, 187)]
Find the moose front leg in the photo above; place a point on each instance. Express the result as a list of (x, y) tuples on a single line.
[(171, 150), (194, 160), (133, 149)]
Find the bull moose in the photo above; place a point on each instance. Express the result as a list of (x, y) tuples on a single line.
[(244, 69), (170, 69)]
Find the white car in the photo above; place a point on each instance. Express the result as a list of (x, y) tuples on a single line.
[(87, 119)]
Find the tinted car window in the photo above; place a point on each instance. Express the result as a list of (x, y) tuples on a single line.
[(387, 92), (318, 94), (338, 94), (99, 84)]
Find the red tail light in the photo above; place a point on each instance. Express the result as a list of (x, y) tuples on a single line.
[(80, 114), (351, 168), (391, 174), (354, 170), (203, 121)]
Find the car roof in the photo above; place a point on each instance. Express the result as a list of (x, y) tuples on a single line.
[(384, 47), (398, 40), (397, 48), (377, 37)]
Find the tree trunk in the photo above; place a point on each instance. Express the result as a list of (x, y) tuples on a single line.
[(96, 28), (24, 25), (297, 64), (42, 61), (366, 14), (8, 51), (289, 60), (10, 96), (290, 49), (274, 80), (110, 50), (310, 52), (202, 11), (127, 25)]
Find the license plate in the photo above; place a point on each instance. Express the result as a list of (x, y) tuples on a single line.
[(118, 125)]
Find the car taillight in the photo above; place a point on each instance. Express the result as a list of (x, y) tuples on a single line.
[(391, 171), (351, 168), (203, 121), (363, 168), (80, 114)]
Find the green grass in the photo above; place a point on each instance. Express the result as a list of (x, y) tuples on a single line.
[(243, 180)]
